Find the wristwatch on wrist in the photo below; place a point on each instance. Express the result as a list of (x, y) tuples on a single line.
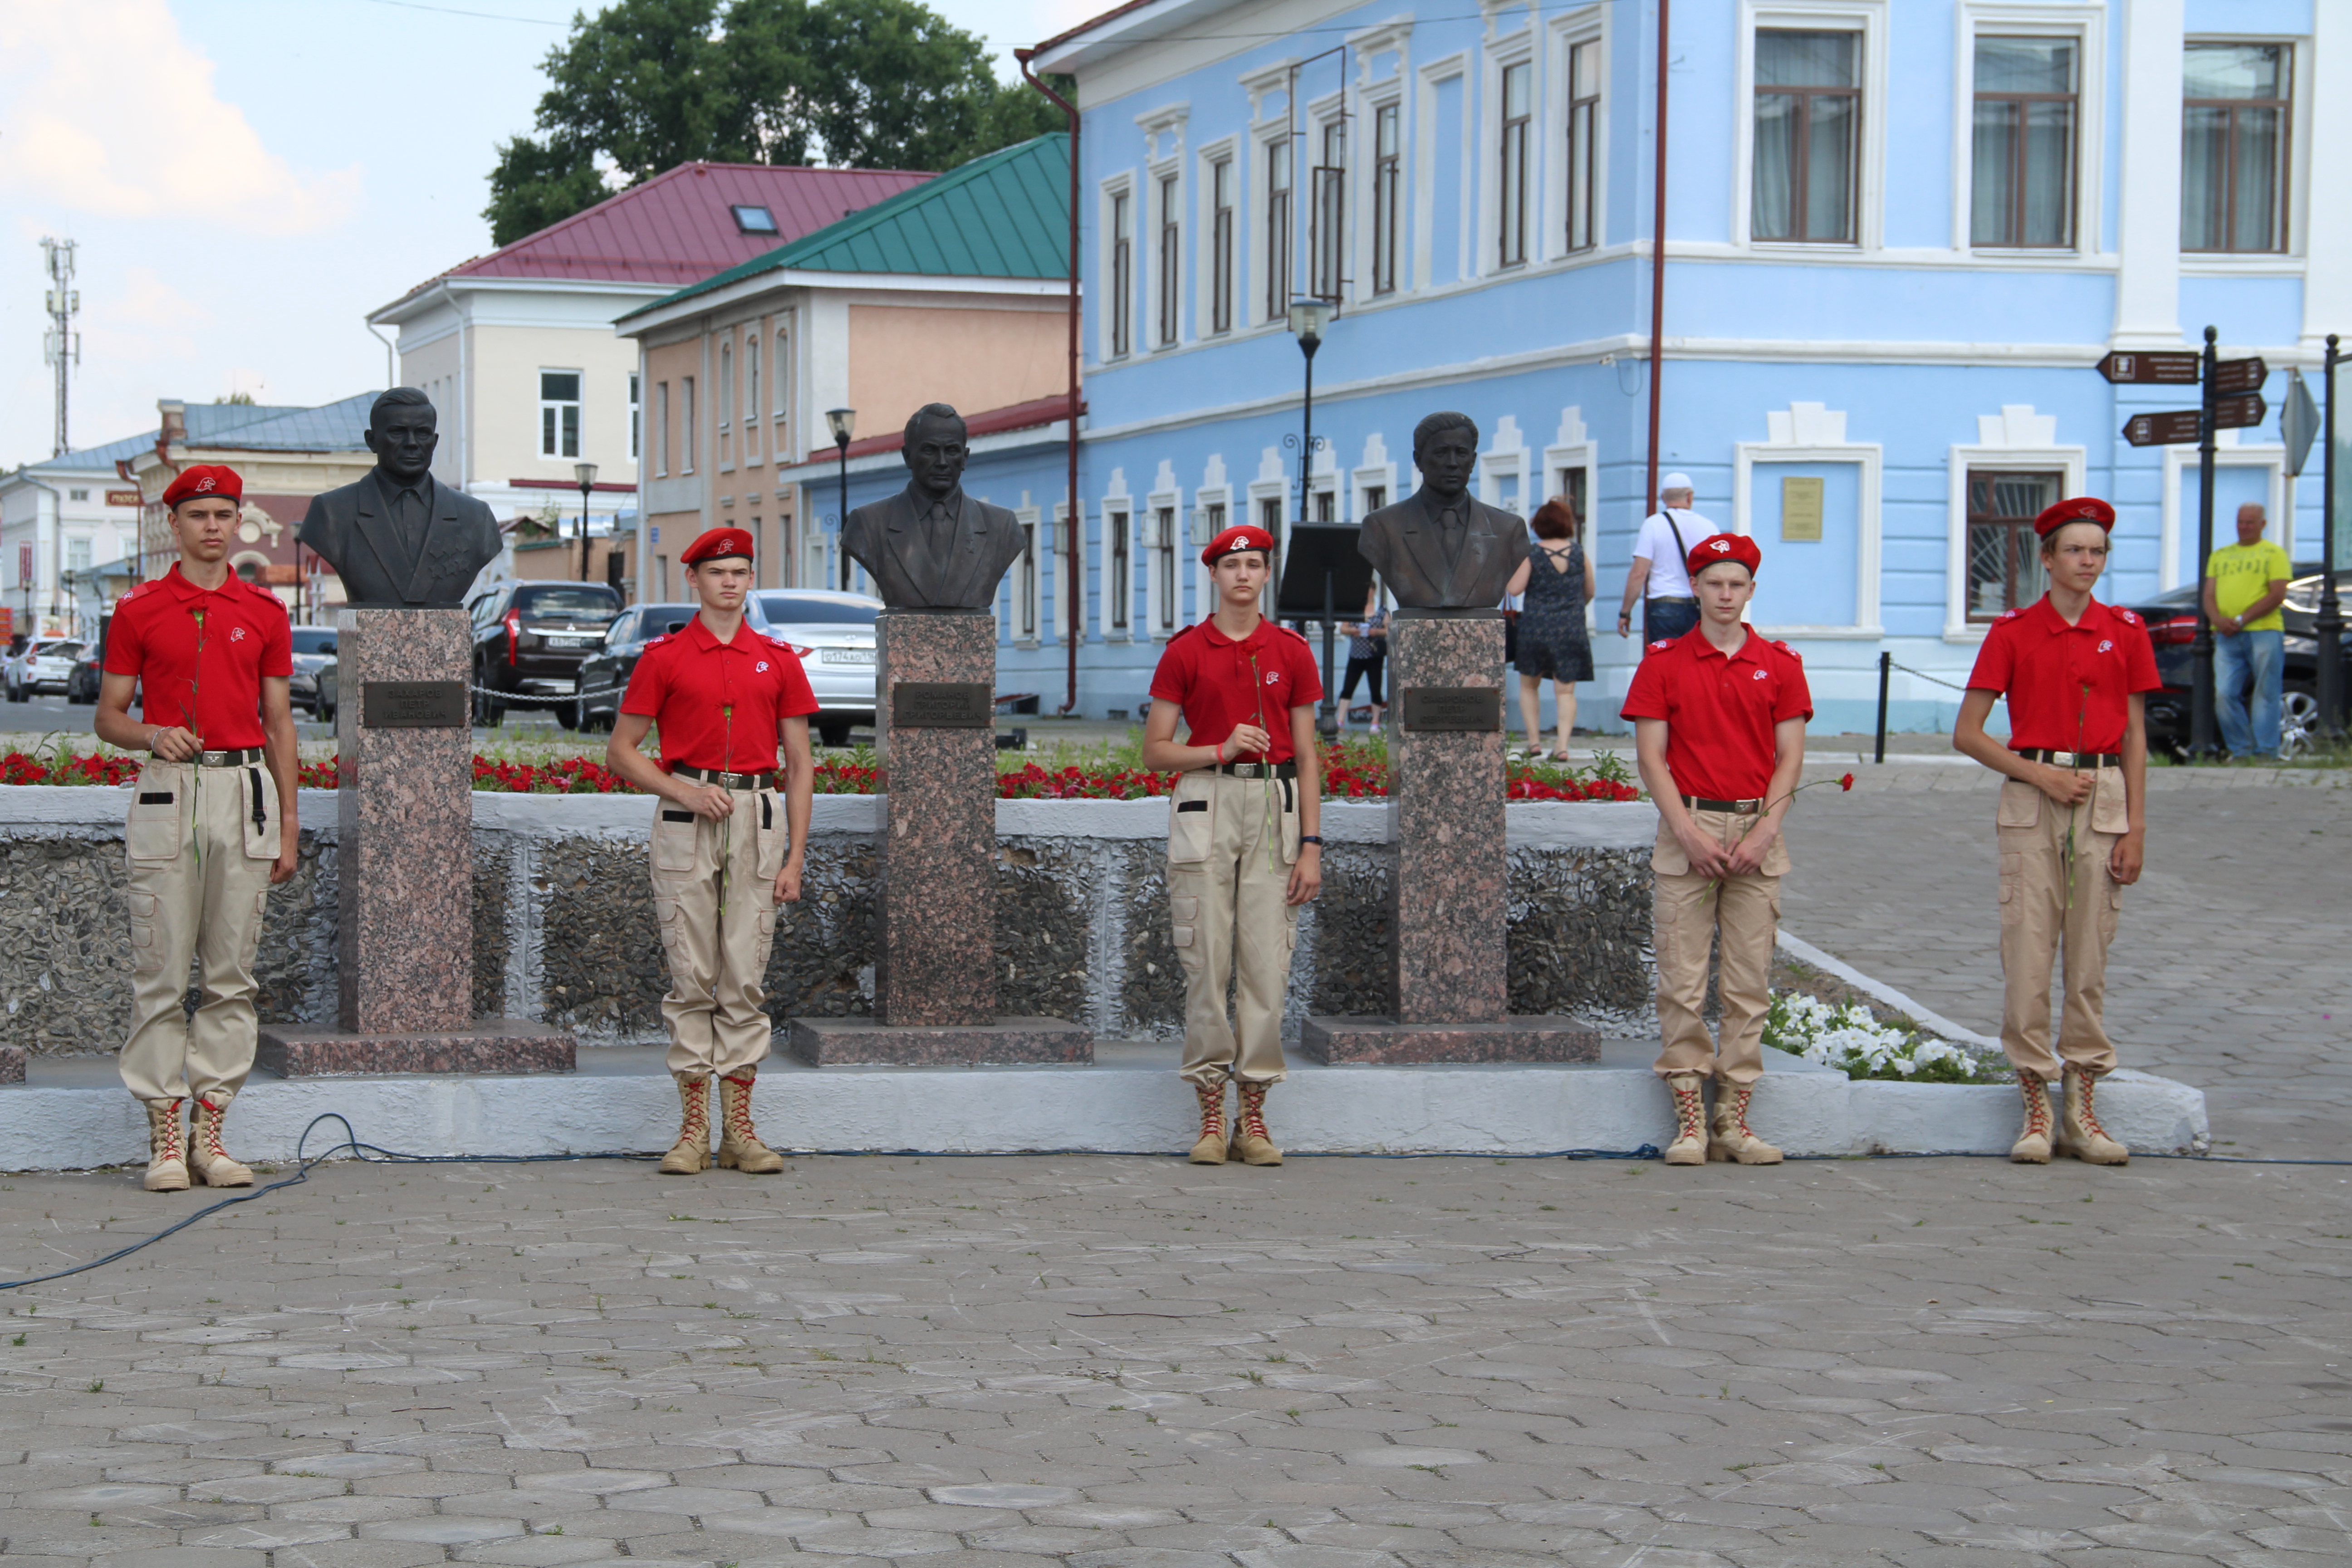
[(1314, 838)]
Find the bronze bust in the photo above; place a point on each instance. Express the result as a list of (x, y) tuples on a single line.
[(1440, 548), (932, 547), (397, 538)]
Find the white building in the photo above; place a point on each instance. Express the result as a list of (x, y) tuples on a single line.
[(65, 523)]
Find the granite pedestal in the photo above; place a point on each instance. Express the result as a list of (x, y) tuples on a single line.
[(935, 965), (405, 931), (1449, 910)]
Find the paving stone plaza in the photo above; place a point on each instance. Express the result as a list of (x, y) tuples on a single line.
[(1129, 1362)]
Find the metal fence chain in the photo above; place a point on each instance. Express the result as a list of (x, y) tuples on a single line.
[(1923, 675)]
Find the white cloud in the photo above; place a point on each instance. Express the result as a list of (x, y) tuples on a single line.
[(106, 109)]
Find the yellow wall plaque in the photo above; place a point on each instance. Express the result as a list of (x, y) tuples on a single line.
[(1801, 509)]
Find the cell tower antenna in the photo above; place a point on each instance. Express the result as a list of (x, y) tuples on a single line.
[(61, 346)]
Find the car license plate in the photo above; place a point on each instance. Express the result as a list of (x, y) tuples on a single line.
[(848, 655), (560, 641)]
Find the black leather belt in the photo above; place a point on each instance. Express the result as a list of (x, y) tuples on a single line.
[(2069, 759), (1254, 770), (1673, 599), (1737, 807), (243, 758), (725, 780)]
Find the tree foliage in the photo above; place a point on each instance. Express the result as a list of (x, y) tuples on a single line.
[(646, 85)]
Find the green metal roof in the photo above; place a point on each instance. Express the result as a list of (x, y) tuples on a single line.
[(1006, 214)]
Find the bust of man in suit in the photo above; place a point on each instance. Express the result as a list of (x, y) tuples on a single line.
[(1440, 549), (396, 538), (931, 546)]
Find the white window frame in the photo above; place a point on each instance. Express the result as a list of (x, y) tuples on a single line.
[(1233, 150), (2016, 438), (1069, 576), (1572, 446), (1507, 458), (1118, 598), (751, 396), (726, 409), (2302, 82), (553, 451), (1869, 18), (2180, 500), (1810, 432), (1588, 25), (1423, 179), (1377, 471), (1026, 580), (1107, 346), (1163, 619), (1171, 335), (1217, 494), (689, 435), (1322, 114), (1512, 50), (781, 368), (1257, 196), (661, 430), (636, 417), (1364, 181), (2086, 24)]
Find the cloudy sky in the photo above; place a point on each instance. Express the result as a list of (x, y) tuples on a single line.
[(248, 178)]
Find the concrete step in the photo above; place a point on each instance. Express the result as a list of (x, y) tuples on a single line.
[(73, 1114)]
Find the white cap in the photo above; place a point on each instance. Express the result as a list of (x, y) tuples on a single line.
[(1677, 481)]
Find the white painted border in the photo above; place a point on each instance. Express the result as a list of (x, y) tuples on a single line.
[(1865, 17), (2081, 20), (1865, 455), (2072, 461), (2178, 461)]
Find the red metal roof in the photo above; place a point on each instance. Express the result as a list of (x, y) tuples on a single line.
[(992, 422), (677, 227)]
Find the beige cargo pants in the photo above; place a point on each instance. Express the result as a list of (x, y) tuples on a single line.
[(199, 879), (1687, 914), (1231, 845), (2038, 913), (715, 896)]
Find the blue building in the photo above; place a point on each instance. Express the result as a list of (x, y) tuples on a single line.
[(1898, 239)]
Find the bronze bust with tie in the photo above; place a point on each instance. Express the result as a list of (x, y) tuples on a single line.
[(397, 537), (932, 547), (1440, 548)]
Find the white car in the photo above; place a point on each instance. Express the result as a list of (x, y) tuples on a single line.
[(842, 664), (42, 667)]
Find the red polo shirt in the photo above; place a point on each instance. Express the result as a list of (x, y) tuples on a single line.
[(1719, 709), (2068, 687), (688, 681), (201, 654), (1221, 683)]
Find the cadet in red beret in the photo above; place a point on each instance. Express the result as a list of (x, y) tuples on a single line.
[(1244, 848), (725, 850), (209, 656), (2072, 823), (1719, 734)]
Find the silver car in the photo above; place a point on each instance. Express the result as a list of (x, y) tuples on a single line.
[(314, 649), (838, 631), (42, 667)]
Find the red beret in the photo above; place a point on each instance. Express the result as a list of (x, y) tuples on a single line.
[(1241, 536), (1717, 547), (2074, 509), (204, 479), (716, 544)]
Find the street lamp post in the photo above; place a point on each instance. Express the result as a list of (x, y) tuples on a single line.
[(842, 422), (586, 474), (2327, 627), (2203, 744), (1308, 317)]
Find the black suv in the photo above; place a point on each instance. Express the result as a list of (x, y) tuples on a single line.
[(606, 674), (529, 641)]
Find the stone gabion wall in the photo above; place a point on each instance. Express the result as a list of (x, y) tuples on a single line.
[(564, 930)]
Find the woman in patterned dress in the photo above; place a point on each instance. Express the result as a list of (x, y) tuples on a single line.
[(1557, 580)]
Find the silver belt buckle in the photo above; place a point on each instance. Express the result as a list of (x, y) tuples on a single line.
[(1246, 770), (2065, 759)]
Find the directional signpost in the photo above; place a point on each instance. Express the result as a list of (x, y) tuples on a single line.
[(2232, 401), (2327, 627)]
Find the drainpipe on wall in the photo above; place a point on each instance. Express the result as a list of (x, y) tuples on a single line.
[(1658, 262), (56, 530), (1078, 582)]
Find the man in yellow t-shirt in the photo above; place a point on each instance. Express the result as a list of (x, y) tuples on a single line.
[(2245, 583)]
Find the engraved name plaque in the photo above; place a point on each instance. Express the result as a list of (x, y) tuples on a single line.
[(1452, 707), (942, 705), (413, 705)]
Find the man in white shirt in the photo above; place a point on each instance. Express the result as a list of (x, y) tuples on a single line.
[(1658, 578)]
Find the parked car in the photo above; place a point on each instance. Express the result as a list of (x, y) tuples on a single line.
[(43, 666), (328, 684), (838, 630), (314, 647), (2172, 626), (606, 674), (529, 642), (82, 682)]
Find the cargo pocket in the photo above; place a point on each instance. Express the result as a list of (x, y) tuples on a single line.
[(1775, 864), (1192, 820), (2109, 812), (2013, 871), (2111, 907), (666, 922), (153, 831), (674, 828), (2020, 805), (775, 839), (146, 952), (259, 808), (1185, 929), (253, 927), (1666, 855)]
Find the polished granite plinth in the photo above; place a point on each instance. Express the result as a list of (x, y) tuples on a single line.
[(1445, 795), (503, 1045), (936, 954), (1382, 1042), (1000, 1042), (404, 934)]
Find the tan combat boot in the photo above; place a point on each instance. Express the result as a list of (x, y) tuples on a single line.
[(2079, 1132), (1689, 1147), (1252, 1144), (2032, 1145), (167, 1147), (691, 1153), (206, 1158), (1210, 1148), (1729, 1139), (739, 1148)]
